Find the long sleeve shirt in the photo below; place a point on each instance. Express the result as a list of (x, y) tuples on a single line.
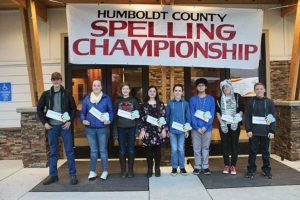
[(204, 104)]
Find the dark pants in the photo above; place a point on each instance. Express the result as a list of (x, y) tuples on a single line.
[(230, 143), (153, 152), (254, 142), (126, 137)]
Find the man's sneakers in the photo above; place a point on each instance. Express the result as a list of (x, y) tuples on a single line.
[(50, 179), (206, 171), (92, 176), (104, 175), (268, 175), (250, 175), (74, 180), (226, 170), (174, 172), (196, 171), (183, 172), (233, 170)]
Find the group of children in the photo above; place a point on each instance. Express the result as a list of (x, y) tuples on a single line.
[(153, 122)]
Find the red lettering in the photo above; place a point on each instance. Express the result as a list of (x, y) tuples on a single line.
[(93, 46), (151, 31), (215, 50), (189, 52), (122, 47), (248, 51), (136, 45), (157, 47), (171, 30), (100, 28), (76, 48), (113, 26), (204, 52), (131, 28), (225, 50), (219, 32), (209, 34)]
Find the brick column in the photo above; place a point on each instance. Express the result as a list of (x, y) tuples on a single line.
[(287, 138)]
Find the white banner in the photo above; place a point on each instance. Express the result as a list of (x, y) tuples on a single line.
[(191, 36), (244, 86)]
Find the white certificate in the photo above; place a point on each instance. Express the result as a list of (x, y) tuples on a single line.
[(200, 114), (152, 120), (125, 114), (259, 120), (177, 126), (227, 118), (98, 114), (54, 115)]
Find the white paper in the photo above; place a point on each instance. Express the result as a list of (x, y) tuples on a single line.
[(259, 120), (227, 118), (200, 114), (98, 114), (54, 115), (125, 114), (177, 126), (152, 120)]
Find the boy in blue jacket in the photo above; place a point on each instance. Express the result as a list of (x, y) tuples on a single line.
[(202, 108)]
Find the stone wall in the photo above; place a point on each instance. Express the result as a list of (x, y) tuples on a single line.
[(279, 78), (10, 144), (287, 138)]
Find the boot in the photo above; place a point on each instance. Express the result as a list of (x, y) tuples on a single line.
[(157, 158), (123, 165), (130, 165)]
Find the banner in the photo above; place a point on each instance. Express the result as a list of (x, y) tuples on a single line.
[(191, 36), (244, 86)]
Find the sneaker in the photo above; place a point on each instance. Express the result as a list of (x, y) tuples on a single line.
[(226, 170), (196, 171), (183, 172), (250, 175), (92, 176), (74, 180), (104, 175), (233, 170), (207, 171), (50, 179), (268, 175), (174, 172)]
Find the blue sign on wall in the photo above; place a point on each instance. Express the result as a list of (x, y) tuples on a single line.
[(5, 91)]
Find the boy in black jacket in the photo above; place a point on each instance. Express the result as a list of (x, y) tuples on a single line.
[(260, 126)]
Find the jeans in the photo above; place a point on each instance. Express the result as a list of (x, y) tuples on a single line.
[(177, 149), (98, 139), (230, 142), (53, 143), (126, 137), (254, 144)]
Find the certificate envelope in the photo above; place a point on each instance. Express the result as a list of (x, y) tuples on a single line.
[(125, 114), (259, 120), (97, 114), (54, 115), (177, 126), (152, 120), (227, 118), (199, 114)]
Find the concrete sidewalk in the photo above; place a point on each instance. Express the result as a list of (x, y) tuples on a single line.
[(16, 182)]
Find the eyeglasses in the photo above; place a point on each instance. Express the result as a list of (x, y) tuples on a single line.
[(201, 85)]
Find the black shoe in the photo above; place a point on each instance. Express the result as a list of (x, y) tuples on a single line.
[(74, 180), (123, 165), (196, 171), (268, 175), (149, 173), (250, 175), (157, 172), (174, 172), (50, 179), (206, 171), (130, 165), (183, 172)]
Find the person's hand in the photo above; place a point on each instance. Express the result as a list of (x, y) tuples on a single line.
[(66, 125), (186, 134), (86, 122), (271, 135), (168, 134), (200, 130), (47, 126), (142, 134), (250, 134), (203, 130), (163, 133), (107, 122), (222, 122)]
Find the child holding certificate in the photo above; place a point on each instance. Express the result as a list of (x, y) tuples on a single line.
[(96, 115), (153, 128), (229, 111), (260, 126), (178, 120), (202, 108), (126, 116)]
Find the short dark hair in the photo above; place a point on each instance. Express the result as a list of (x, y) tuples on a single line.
[(121, 86), (259, 83), (178, 85), (201, 80), (56, 76)]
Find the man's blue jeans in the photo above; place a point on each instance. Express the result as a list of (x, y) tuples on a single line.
[(177, 149), (126, 137), (53, 142), (98, 139)]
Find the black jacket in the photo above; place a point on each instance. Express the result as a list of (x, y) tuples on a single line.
[(260, 107), (47, 100)]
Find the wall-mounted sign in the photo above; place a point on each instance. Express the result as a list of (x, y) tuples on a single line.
[(191, 36), (5, 91)]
